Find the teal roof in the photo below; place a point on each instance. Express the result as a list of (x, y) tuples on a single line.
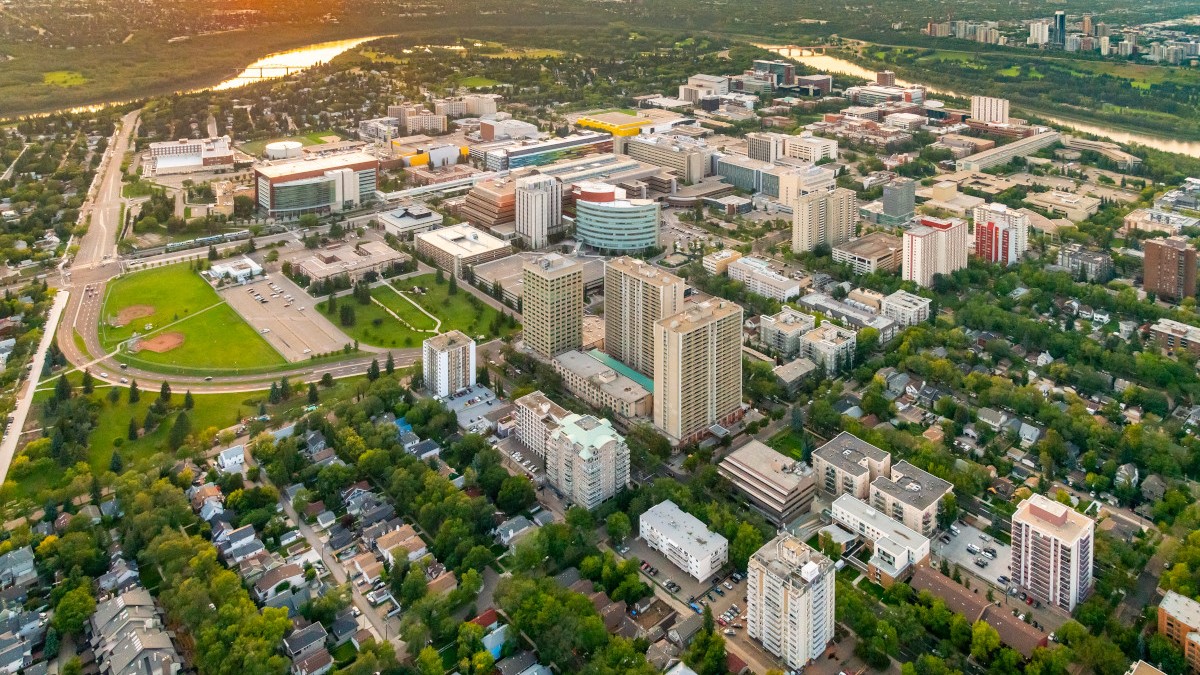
[(646, 382)]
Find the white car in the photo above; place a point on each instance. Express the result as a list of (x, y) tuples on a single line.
[(104, 375)]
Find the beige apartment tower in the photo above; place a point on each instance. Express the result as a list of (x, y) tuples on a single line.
[(698, 369), (637, 295), (552, 304), (828, 218)]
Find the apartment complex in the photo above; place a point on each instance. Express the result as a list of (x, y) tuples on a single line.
[(905, 308), (827, 218), (934, 246), (460, 246), (637, 295), (896, 549), (874, 252), (1093, 265), (684, 540), (989, 110), (760, 279), (449, 363), (790, 600), (698, 369), (847, 464), (1179, 620), (718, 262), (552, 304), (1001, 233), (911, 495), (538, 209), (600, 382), (1052, 548), (777, 486), (537, 417), (586, 460), (829, 346), (784, 332), (1169, 268), (1173, 336)]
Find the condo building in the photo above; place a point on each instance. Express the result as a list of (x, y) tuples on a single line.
[(910, 495), (784, 332), (537, 417), (449, 363), (552, 304), (1052, 548), (1179, 620), (790, 600), (586, 460), (934, 246), (637, 295), (684, 540), (1169, 268), (905, 308), (827, 218), (538, 209), (1001, 233), (698, 369)]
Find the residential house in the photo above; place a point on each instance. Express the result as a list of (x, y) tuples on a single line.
[(305, 641), (317, 663), (277, 580), (16, 568), (232, 459), (993, 419), (404, 539), (128, 637), (512, 530)]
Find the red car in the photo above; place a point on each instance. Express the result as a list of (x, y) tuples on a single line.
[(1029, 600)]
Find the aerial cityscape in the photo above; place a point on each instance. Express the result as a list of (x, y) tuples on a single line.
[(430, 338)]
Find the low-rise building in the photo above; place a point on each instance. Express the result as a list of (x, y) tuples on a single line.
[(911, 496), (129, 637), (1093, 265), (1173, 336), (829, 346), (1179, 621), (784, 332), (905, 308), (684, 540), (602, 385), (870, 253), (779, 487), (847, 465), (352, 261), (760, 279), (1076, 208), (459, 246), (189, 155), (718, 262), (406, 221), (854, 314), (895, 548)]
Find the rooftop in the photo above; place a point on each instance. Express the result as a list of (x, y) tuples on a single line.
[(326, 163), (873, 245), (587, 432), (683, 529), (878, 521), (449, 340), (778, 472), (850, 453), (644, 271), (912, 486), (614, 377), (701, 314), (789, 558), (551, 263), (907, 300), (462, 240), (1053, 518)]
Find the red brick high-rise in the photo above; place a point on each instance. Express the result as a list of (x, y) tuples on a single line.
[(1169, 270)]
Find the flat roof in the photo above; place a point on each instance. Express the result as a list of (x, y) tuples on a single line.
[(462, 240), (1054, 518), (846, 451), (325, 163), (1184, 609), (790, 559), (588, 433), (888, 527), (700, 314), (644, 271), (794, 370), (447, 340), (913, 486), (781, 473), (684, 529), (908, 300), (873, 245), (619, 384)]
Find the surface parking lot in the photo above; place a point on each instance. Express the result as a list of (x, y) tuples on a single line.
[(519, 458), (295, 328), (956, 553), (471, 405), (689, 587)]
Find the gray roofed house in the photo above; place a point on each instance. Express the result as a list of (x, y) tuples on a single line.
[(517, 664), (408, 439), (512, 529), (121, 576), (128, 637), (992, 418), (305, 641), (1154, 488), (15, 653), (344, 627), (425, 449), (111, 508), (16, 568), (317, 663), (684, 630), (340, 538)]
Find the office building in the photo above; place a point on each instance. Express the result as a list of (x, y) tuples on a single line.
[(352, 262), (1169, 268), (1001, 233), (449, 362), (899, 201), (690, 160), (491, 204), (780, 73), (406, 221), (538, 209), (188, 155), (934, 246), (587, 462), (701, 86), (552, 304), (684, 540), (718, 262), (810, 148), (1073, 207), (911, 496), (698, 370), (1059, 32), (457, 247), (790, 600), (847, 465), (541, 152), (783, 332), (779, 487), (765, 146), (1003, 154), (322, 185), (789, 183), (605, 384), (905, 308), (1179, 621), (609, 222), (537, 418), (760, 279), (829, 346), (637, 295), (1173, 336), (1091, 265), (824, 218), (989, 109), (1039, 33), (873, 252), (896, 549), (1052, 548), (1158, 220)]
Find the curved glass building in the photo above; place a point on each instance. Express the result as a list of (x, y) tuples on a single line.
[(608, 222)]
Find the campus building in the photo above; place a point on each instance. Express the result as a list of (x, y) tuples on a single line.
[(449, 363), (586, 460), (847, 465), (790, 600), (777, 486), (538, 209), (690, 160), (321, 185), (188, 155), (1169, 268), (989, 110), (609, 222), (934, 246), (684, 540), (874, 252), (911, 496), (637, 295), (537, 153), (457, 247), (698, 370), (1004, 154), (1052, 548), (827, 218), (552, 305), (351, 261)]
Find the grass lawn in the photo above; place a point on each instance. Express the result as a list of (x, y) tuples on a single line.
[(457, 312), (403, 308), (177, 297), (138, 188), (477, 81), (64, 78), (373, 325), (312, 138), (343, 654), (787, 443)]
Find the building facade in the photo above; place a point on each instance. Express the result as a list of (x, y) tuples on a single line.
[(637, 295), (783, 332), (896, 548), (989, 109), (323, 185), (1169, 268), (1179, 620), (552, 304), (698, 369), (684, 540), (911, 495), (870, 253), (609, 222), (760, 279), (905, 308), (586, 460), (538, 209), (934, 246), (790, 600), (449, 363), (1052, 549), (827, 218), (777, 486), (537, 417), (457, 247), (603, 387), (829, 346), (1001, 233)]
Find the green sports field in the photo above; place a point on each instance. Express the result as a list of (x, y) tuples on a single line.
[(174, 299)]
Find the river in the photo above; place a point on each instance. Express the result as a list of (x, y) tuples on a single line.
[(832, 64), (282, 64)]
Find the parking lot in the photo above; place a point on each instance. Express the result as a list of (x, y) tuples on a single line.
[(689, 587), (519, 459), (471, 405), (956, 553), (285, 317)]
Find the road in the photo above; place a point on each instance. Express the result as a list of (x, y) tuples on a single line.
[(9, 171), (8, 445)]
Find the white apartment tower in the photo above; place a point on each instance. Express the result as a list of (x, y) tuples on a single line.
[(989, 109), (790, 599), (824, 218), (586, 460), (1052, 547), (637, 295), (539, 208), (552, 304), (935, 246), (698, 369), (449, 363)]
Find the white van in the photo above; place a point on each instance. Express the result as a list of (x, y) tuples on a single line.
[(954, 530)]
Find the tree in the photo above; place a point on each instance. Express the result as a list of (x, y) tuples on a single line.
[(114, 395), (116, 464), (72, 667), (746, 541), (164, 393), (327, 380), (179, 431), (618, 526), (453, 289), (135, 395), (313, 396), (89, 383), (188, 401), (346, 315), (984, 641), (390, 366), (440, 277), (429, 663), (273, 394), (373, 370), (73, 610), (133, 429), (947, 510), (62, 390), (516, 494)]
